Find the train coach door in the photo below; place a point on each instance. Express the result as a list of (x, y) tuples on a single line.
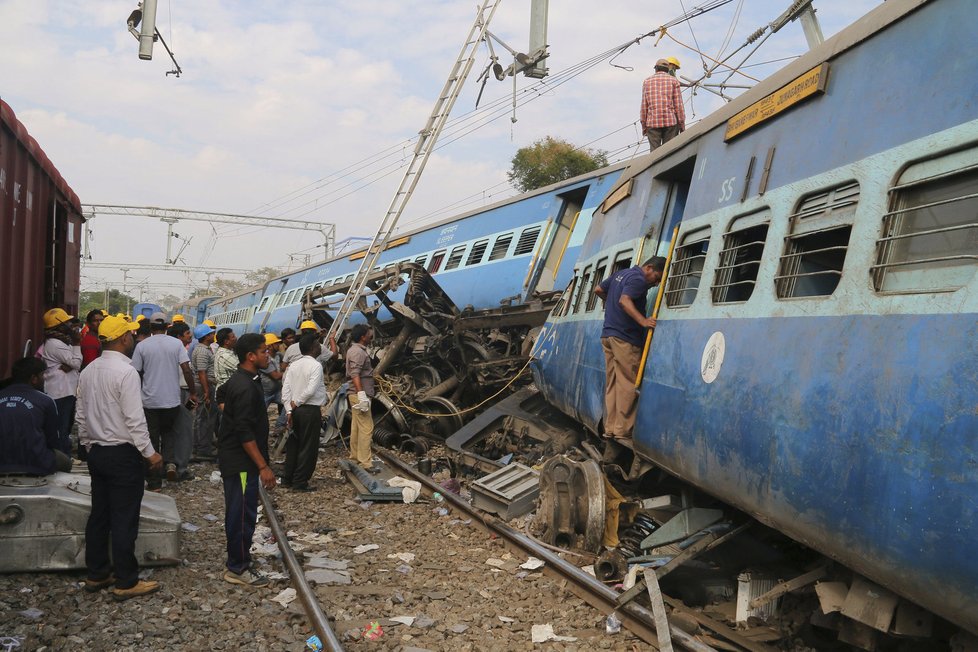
[(678, 179), (544, 277)]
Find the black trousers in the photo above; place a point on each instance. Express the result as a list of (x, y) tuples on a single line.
[(117, 493), (160, 422), (240, 517), (302, 448)]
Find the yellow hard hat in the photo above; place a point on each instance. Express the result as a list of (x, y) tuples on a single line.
[(177, 318), (673, 61), (55, 317), (308, 324), (271, 338), (210, 323), (105, 313), (115, 327), (139, 318)]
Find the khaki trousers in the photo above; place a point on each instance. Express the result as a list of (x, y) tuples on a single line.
[(621, 361), (361, 432)]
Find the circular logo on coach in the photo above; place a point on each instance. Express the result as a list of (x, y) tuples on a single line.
[(712, 357)]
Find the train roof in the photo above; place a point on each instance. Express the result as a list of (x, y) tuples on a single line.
[(862, 29), (8, 118), (190, 303)]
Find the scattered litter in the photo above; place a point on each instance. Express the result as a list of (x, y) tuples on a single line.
[(406, 557), (441, 511), (215, 477), (452, 485), (366, 504), (189, 527), (495, 563), (506, 619), (398, 598), (589, 570), (27, 590), (366, 547), (404, 620), (209, 517), (146, 573), (403, 568), (631, 576), (31, 614), (437, 497), (410, 489), (373, 631), (276, 576), (533, 563), (326, 562), (544, 633), (612, 625), (346, 533), (423, 622), (314, 644), (328, 576), (312, 538), (285, 597), (459, 629)]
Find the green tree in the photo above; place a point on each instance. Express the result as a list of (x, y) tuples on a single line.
[(551, 160), (89, 301)]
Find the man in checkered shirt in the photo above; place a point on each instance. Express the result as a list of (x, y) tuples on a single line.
[(663, 116)]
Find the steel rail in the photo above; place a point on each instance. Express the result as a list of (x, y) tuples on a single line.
[(634, 617), (317, 618)]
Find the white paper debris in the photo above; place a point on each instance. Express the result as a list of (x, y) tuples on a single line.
[(189, 527), (410, 489), (406, 557), (366, 547), (495, 563), (533, 563), (631, 576), (215, 477), (544, 633), (404, 620), (285, 597), (506, 619)]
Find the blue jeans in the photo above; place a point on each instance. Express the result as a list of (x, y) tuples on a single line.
[(66, 417)]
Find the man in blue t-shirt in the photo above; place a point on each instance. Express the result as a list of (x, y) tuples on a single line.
[(622, 339), (29, 423)]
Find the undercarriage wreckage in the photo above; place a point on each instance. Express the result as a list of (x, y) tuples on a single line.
[(437, 362)]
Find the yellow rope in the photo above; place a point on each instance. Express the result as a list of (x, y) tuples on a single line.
[(704, 54), (388, 389)]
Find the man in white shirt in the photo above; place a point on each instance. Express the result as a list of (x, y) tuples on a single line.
[(161, 359), (303, 394), (292, 352), (63, 358), (112, 426)]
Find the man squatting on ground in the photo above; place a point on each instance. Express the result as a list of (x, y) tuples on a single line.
[(623, 338), (112, 426), (29, 437), (243, 456), (360, 372)]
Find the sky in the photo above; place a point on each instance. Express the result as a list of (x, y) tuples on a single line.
[(306, 110)]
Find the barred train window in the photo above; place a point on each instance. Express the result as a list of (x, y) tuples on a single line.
[(686, 269), (435, 264), (740, 258), (582, 288), (478, 251), (455, 258), (929, 241), (599, 276), (528, 240), (818, 239), (501, 246)]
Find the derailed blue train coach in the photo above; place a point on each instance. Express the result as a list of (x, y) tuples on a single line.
[(816, 354)]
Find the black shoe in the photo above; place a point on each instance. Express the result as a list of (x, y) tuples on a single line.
[(285, 483), (184, 476), (304, 488)]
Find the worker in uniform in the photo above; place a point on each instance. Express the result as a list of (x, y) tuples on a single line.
[(29, 440), (243, 457), (112, 427), (62, 356), (673, 65), (292, 353), (622, 339), (205, 422), (662, 115), (360, 374), (304, 395)]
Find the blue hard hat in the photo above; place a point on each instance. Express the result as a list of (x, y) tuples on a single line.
[(203, 330)]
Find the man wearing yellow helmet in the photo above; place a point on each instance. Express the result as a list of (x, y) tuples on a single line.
[(63, 357), (662, 115), (308, 327), (673, 65)]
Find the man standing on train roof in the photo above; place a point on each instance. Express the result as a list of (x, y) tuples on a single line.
[(29, 423), (663, 116), (622, 340), (161, 360), (63, 357), (360, 373), (243, 457), (112, 426)]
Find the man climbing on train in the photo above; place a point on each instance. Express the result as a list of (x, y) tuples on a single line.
[(622, 338), (663, 116)]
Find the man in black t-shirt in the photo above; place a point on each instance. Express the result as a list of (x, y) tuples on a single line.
[(243, 456)]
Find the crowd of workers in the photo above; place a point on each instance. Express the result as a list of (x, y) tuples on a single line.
[(146, 397)]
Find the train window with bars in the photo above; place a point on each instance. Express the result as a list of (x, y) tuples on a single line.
[(435, 263), (818, 240), (580, 300), (599, 275), (527, 241), (455, 258), (623, 260), (500, 246), (478, 251), (929, 241), (686, 269), (563, 305), (740, 258), (264, 303)]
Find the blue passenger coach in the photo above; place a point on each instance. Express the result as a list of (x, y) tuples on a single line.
[(815, 359), (502, 252)]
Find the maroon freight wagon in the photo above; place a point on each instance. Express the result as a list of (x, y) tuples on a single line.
[(40, 240)]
